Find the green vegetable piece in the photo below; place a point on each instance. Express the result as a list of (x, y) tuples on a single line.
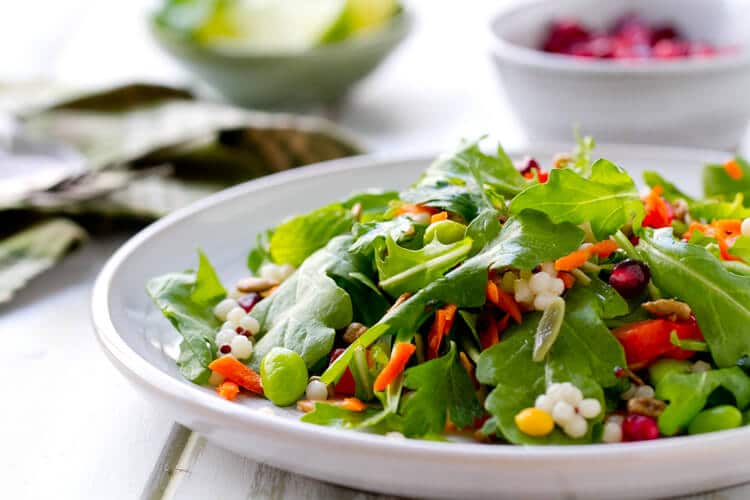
[(284, 376), (665, 366), (719, 298), (718, 184), (548, 329), (687, 344), (670, 191), (443, 389), (688, 394), (608, 199), (710, 210), (718, 418), (332, 416), (741, 248), (296, 239), (187, 300), (446, 231)]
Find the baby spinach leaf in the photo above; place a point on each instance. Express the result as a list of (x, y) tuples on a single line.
[(671, 192), (307, 309), (718, 184), (608, 199), (187, 300), (585, 353), (443, 390), (297, 238), (483, 229), (741, 248), (404, 270), (719, 298), (688, 394)]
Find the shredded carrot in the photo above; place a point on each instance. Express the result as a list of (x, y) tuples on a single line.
[(469, 367), (235, 371), (409, 208), (604, 248), (733, 169), (568, 279), (725, 231), (490, 335), (573, 260), (442, 325), (228, 390), (351, 404), (438, 217), (502, 325), (400, 355), (504, 301)]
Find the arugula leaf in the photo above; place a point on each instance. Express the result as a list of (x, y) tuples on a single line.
[(719, 298), (710, 210), (585, 353), (671, 192), (443, 390), (261, 253), (741, 248), (187, 300), (608, 199), (373, 204), (483, 229), (688, 394), (30, 252), (307, 309), (403, 270), (297, 238), (718, 184), (397, 229)]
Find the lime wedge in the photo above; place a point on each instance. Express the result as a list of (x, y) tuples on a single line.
[(270, 25)]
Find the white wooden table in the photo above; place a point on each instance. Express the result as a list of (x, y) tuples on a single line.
[(71, 427)]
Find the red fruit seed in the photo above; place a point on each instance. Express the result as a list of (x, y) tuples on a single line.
[(630, 278), (639, 428)]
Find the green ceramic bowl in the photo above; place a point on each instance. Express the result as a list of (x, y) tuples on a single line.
[(256, 79)]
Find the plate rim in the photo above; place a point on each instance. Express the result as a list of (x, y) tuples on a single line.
[(138, 370)]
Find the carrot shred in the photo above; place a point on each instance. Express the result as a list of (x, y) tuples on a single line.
[(351, 404), (438, 217), (235, 371), (568, 279), (733, 169), (573, 260), (306, 405), (410, 208), (442, 325), (504, 301), (402, 351), (228, 390), (604, 248), (725, 231)]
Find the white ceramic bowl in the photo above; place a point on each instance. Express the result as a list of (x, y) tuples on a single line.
[(142, 345), (699, 102)]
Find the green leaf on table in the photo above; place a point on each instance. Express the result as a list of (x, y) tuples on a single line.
[(29, 252), (403, 270), (688, 394), (295, 239), (307, 309), (718, 184), (719, 299), (187, 300), (443, 390), (608, 199), (585, 353)]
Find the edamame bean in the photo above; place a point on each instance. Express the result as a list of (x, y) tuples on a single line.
[(664, 367), (717, 418), (284, 376), (447, 231)]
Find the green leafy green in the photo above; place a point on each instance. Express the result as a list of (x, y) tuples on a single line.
[(710, 210), (741, 248), (718, 184), (187, 300), (261, 253), (404, 270), (372, 204), (400, 229), (719, 298), (585, 353), (297, 238), (332, 416), (582, 154), (608, 199), (443, 390), (670, 191), (688, 394)]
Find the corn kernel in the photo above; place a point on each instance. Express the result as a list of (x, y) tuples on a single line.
[(534, 422)]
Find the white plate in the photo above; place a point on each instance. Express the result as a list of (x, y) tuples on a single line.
[(142, 344)]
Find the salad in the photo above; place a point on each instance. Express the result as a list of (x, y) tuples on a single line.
[(511, 302)]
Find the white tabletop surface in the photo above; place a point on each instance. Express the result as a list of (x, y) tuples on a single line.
[(71, 427)]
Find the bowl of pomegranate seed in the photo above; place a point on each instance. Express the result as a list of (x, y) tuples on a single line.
[(635, 71)]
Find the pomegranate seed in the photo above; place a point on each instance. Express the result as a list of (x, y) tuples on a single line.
[(669, 49), (225, 349), (620, 371), (634, 240), (240, 330), (247, 302), (630, 278), (563, 34), (528, 165), (664, 32), (639, 428)]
